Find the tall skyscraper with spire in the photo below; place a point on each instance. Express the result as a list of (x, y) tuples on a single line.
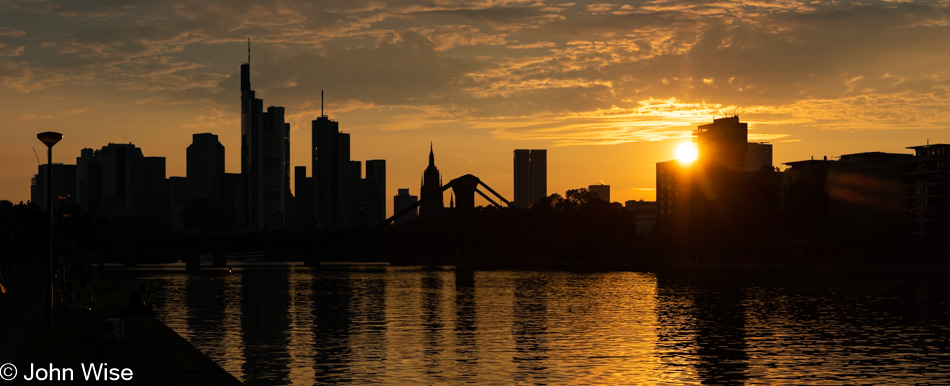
[(431, 187), (265, 169)]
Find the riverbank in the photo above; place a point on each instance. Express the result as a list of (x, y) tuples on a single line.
[(153, 353)]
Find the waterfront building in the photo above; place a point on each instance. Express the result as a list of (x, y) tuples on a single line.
[(929, 193)]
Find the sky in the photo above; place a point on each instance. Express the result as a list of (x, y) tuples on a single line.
[(608, 88)]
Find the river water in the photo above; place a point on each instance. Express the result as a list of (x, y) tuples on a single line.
[(294, 325)]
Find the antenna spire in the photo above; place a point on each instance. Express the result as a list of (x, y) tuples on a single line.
[(248, 50), (321, 104)]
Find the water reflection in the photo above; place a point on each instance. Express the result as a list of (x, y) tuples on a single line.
[(295, 325)]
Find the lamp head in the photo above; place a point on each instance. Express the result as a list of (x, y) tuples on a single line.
[(49, 138)]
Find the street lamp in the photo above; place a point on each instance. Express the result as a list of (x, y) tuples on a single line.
[(49, 139), (62, 259)]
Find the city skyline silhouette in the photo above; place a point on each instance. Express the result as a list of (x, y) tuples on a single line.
[(609, 99)]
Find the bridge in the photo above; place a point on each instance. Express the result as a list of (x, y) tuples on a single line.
[(464, 189)]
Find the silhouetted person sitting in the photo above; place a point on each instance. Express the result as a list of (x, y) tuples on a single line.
[(139, 303)]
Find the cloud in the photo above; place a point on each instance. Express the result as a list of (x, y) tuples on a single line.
[(32, 116), (12, 51), (7, 32)]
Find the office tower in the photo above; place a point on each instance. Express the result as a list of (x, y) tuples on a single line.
[(431, 190), (531, 176), (64, 182), (402, 201), (326, 156), (265, 169), (205, 174), (722, 144), (600, 191), (375, 195), (204, 166)]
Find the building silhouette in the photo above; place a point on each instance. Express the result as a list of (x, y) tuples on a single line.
[(431, 190), (726, 202), (374, 191), (723, 143), (64, 182), (600, 191), (403, 200), (530, 176), (758, 156), (928, 192), (303, 191), (265, 166), (804, 198), (342, 197), (205, 207), (117, 180), (644, 215), (331, 157)]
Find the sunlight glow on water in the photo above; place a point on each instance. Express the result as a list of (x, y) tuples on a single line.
[(294, 325)]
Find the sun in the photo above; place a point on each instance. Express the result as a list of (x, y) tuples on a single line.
[(687, 153)]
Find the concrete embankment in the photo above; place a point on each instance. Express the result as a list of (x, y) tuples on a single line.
[(152, 352)]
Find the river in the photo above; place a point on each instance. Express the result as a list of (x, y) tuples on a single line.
[(296, 325)]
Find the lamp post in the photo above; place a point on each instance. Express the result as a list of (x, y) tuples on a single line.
[(50, 138), (62, 258)]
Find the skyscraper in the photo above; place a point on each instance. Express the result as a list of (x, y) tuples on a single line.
[(205, 174), (374, 196), (431, 190), (265, 168), (326, 155), (531, 176)]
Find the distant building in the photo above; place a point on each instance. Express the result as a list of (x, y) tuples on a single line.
[(117, 180), (64, 182), (402, 201), (530, 176), (803, 198), (929, 193), (867, 201), (374, 192), (644, 215), (154, 196), (600, 191), (431, 190), (722, 144), (265, 166), (205, 174), (343, 198), (669, 176), (758, 156), (303, 192), (177, 191)]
